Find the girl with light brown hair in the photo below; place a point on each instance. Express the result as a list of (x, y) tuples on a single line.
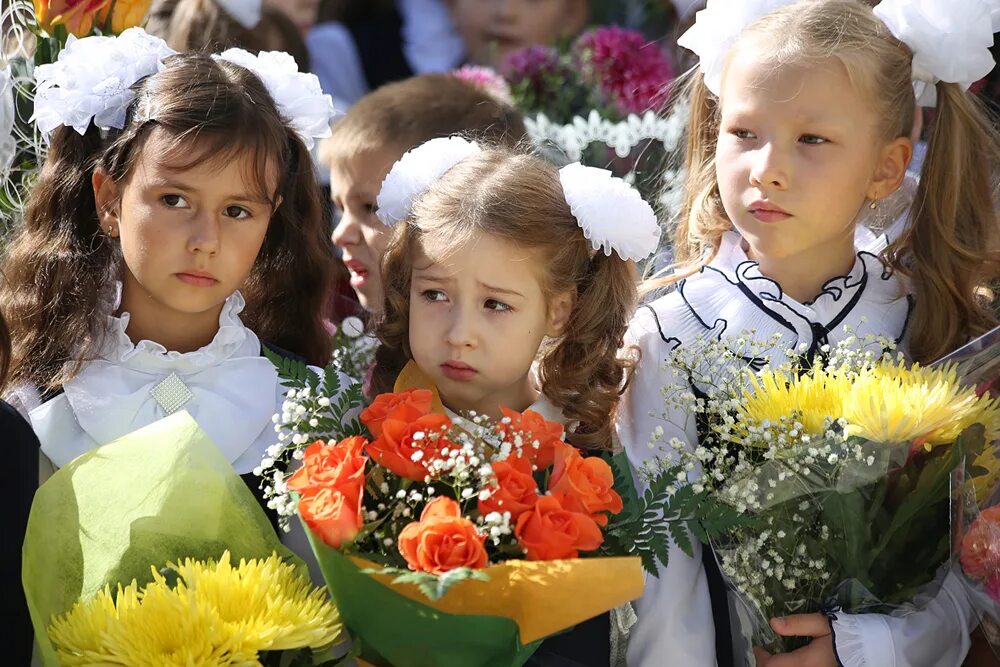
[(509, 283), (801, 116)]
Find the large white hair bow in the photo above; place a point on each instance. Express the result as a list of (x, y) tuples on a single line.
[(612, 214), (950, 40), (298, 95), (717, 27), (91, 80)]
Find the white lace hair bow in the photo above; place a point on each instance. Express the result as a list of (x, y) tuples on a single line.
[(612, 214), (92, 80), (950, 39)]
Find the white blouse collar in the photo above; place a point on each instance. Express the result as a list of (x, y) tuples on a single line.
[(730, 296), (227, 386)]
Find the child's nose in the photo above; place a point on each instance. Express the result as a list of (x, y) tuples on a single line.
[(461, 328), (348, 230), (204, 236), (769, 168)]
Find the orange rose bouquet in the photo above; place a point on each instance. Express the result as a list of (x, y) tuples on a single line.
[(467, 540)]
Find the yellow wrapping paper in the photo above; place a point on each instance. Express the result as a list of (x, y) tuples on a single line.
[(542, 597)]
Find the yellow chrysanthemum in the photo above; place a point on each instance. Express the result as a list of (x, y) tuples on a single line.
[(170, 629), (810, 398), (266, 600), (216, 615), (892, 403), (78, 634)]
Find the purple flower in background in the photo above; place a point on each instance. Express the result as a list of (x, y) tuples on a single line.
[(531, 63), (486, 79), (631, 73)]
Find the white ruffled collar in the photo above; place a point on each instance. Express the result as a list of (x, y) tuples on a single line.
[(150, 356), (227, 386), (731, 297)]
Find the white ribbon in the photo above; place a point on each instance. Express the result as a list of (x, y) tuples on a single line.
[(611, 213)]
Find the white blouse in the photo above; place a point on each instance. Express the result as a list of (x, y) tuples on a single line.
[(729, 298), (227, 386)]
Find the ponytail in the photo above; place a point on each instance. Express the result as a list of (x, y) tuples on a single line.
[(950, 251), (583, 374)]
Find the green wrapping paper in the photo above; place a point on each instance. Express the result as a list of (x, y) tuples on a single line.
[(395, 631), (160, 494)]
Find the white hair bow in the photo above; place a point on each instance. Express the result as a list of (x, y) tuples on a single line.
[(950, 40), (298, 95), (92, 81), (92, 78), (612, 214), (717, 27)]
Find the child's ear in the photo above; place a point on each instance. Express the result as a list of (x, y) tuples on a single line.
[(891, 169), (106, 198), (560, 309)]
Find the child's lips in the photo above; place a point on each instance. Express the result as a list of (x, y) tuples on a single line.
[(458, 370)]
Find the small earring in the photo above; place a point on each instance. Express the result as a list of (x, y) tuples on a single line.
[(874, 204)]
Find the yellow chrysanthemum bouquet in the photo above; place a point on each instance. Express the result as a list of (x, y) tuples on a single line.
[(841, 467), (152, 551), (213, 613)]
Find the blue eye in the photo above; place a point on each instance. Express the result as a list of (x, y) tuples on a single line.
[(499, 306)]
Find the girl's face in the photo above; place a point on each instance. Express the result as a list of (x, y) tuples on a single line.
[(189, 237), (477, 319), (799, 151), (491, 29)]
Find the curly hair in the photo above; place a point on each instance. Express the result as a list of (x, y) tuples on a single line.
[(518, 198), (949, 251), (59, 265)]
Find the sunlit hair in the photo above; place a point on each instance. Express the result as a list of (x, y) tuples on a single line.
[(949, 250), (518, 198), (406, 113), (60, 266)]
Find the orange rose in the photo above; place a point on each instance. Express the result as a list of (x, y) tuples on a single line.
[(407, 405), (78, 16), (515, 490), (980, 555), (589, 481), (401, 450), (333, 516), (534, 429), (551, 531), (442, 540), (339, 466)]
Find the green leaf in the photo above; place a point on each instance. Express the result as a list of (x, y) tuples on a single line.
[(293, 371)]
